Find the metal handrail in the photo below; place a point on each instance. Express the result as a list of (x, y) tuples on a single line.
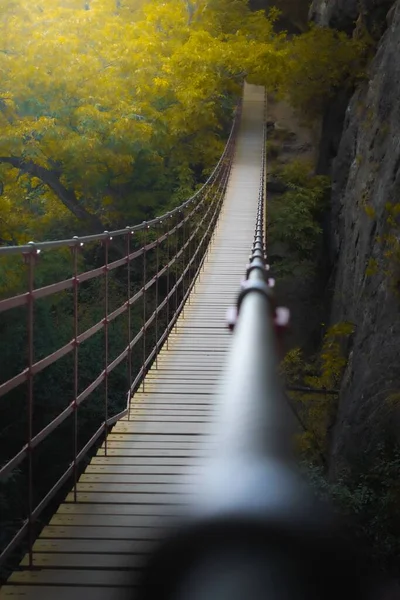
[(194, 229), (254, 530)]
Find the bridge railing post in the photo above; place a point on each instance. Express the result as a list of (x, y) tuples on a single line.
[(157, 296), (30, 261), (106, 245), (168, 283), (74, 250), (129, 320)]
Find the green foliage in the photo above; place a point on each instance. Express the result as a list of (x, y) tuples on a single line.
[(372, 267), (324, 371), (110, 109), (370, 211), (296, 11), (320, 62), (392, 257), (390, 245), (369, 498), (333, 359), (393, 214), (273, 150), (393, 400), (281, 134), (295, 219), (292, 366)]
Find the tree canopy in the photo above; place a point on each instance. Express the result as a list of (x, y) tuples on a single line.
[(109, 109)]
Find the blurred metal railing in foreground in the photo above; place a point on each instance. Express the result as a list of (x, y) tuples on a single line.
[(171, 250), (254, 531)]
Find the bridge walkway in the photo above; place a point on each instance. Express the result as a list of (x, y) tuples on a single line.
[(133, 490)]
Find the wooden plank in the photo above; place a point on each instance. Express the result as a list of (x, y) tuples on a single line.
[(119, 509), (183, 377), (203, 342), (182, 409), (167, 389), (188, 367), (136, 478), (143, 470), (159, 427), (177, 405), (134, 498), (79, 546), (179, 398), (76, 577), (60, 560), (128, 443), (191, 361), (114, 439), (81, 520), (102, 533), (130, 488), (161, 452), (140, 416), (165, 437), (41, 592), (168, 461), (191, 387), (178, 355)]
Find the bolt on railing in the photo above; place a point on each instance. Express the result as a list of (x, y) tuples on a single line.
[(157, 270)]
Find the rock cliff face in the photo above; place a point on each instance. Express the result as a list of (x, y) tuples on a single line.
[(343, 14), (365, 280)]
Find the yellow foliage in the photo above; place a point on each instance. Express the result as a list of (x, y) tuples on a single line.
[(333, 355), (393, 400), (90, 86), (317, 410), (390, 244), (370, 211), (372, 267), (319, 62), (292, 366)]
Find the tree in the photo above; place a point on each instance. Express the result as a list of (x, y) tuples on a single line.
[(107, 106)]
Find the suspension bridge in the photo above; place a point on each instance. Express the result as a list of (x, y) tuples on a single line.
[(149, 455)]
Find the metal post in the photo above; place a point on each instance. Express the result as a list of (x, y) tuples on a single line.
[(183, 262), (144, 307), (176, 280), (30, 260), (106, 322), (264, 168), (129, 324), (76, 365), (190, 276), (168, 285), (156, 284)]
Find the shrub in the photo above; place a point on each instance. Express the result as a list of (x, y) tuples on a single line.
[(273, 150), (372, 267), (320, 62), (390, 245), (369, 500), (295, 219), (325, 371)]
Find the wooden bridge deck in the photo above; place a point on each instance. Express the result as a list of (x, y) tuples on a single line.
[(125, 500)]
